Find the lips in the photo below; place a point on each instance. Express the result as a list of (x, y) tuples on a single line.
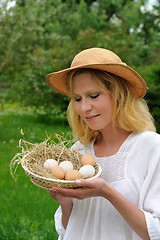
[(92, 117)]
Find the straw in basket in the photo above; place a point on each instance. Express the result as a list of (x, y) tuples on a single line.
[(32, 160)]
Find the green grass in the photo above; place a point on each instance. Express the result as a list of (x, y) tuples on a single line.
[(26, 211)]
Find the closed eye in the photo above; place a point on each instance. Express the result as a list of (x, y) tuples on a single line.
[(95, 96), (77, 99)]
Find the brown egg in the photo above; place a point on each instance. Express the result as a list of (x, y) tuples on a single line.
[(87, 159), (58, 172), (72, 175)]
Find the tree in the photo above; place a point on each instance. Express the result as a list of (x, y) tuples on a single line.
[(42, 36)]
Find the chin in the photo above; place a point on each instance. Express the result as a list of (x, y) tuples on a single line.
[(95, 128)]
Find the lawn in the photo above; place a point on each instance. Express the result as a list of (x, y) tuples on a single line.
[(26, 210)]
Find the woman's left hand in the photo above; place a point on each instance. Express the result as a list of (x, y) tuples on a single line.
[(87, 188)]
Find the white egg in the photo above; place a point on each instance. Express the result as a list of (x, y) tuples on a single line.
[(87, 171), (49, 163), (66, 165)]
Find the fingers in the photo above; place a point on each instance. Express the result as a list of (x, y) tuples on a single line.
[(60, 197), (53, 194), (89, 182), (65, 192), (87, 188), (85, 183)]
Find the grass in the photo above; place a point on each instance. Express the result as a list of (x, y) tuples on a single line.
[(26, 212)]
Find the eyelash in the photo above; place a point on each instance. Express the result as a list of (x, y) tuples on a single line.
[(93, 97), (77, 99)]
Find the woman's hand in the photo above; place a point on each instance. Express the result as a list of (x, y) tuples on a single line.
[(63, 200), (66, 205), (98, 187), (88, 188)]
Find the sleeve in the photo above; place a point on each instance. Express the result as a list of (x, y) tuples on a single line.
[(151, 205), (58, 223), (58, 214), (153, 225), (79, 147)]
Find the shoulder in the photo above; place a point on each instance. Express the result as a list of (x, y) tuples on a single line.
[(149, 134), (147, 146), (149, 139), (77, 146), (81, 148), (144, 156)]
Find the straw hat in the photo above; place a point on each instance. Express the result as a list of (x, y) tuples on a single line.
[(102, 59)]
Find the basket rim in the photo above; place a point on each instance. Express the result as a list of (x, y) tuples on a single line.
[(58, 180)]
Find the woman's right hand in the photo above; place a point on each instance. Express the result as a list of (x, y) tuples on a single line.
[(66, 205), (60, 198)]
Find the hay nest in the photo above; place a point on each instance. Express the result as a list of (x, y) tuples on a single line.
[(32, 160)]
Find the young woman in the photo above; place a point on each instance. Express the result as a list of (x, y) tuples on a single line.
[(111, 121)]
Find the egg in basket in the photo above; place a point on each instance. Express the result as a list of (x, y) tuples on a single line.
[(50, 164)]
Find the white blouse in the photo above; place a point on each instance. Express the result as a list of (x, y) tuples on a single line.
[(134, 171)]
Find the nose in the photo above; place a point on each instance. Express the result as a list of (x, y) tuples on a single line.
[(86, 106)]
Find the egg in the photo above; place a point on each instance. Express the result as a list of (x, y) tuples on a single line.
[(49, 163), (57, 172), (87, 159), (72, 175), (87, 171), (66, 165)]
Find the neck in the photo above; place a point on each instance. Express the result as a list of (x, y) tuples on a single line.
[(110, 136), (109, 141)]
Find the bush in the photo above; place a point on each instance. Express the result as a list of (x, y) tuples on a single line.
[(153, 100)]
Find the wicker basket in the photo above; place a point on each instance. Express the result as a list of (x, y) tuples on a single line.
[(48, 182), (32, 161)]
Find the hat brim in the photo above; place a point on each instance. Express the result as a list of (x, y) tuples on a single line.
[(56, 80)]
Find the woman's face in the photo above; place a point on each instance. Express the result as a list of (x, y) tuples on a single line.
[(94, 105)]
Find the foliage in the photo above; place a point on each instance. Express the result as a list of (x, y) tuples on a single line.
[(151, 75), (42, 36), (153, 100)]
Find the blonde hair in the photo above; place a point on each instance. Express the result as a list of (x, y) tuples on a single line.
[(130, 113)]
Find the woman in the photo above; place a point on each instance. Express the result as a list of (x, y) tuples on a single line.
[(111, 121)]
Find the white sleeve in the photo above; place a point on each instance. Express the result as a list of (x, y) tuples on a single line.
[(152, 205), (79, 147), (58, 223), (153, 225), (58, 214)]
